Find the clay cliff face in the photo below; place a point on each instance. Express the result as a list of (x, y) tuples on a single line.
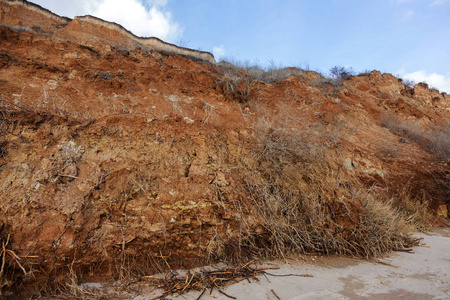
[(112, 155), (86, 30)]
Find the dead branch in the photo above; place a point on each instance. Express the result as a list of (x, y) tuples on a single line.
[(205, 280)]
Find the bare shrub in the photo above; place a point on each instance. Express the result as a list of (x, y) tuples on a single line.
[(382, 227), (415, 210), (407, 82), (387, 150), (338, 73), (332, 82), (294, 192), (406, 128), (276, 73), (440, 142), (435, 140), (364, 73), (442, 182), (234, 80), (237, 78)]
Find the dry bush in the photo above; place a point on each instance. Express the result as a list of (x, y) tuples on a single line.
[(276, 73), (328, 86), (408, 129), (237, 79), (235, 82), (435, 140), (408, 83), (387, 150), (332, 82), (440, 142), (339, 73), (415, 210), (442, 182), (294, 193), (382, 228)]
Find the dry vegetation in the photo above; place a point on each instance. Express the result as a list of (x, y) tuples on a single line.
[(306, 207), (237, 78), (301, 199), (296, 188), (440, 142), (436, 140)]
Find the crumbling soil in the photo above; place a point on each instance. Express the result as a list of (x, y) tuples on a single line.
[(120, 161)]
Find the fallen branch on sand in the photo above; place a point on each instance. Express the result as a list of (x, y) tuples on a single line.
[(207, 281)]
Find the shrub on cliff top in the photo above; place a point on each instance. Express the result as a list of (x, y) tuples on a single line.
[(338, 73), (237, 78)]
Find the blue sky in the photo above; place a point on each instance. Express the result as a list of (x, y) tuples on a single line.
[(406, 37)]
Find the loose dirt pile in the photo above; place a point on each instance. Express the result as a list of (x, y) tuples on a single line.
[(115, 163)]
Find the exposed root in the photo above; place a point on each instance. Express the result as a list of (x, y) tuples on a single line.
[(207, 281)]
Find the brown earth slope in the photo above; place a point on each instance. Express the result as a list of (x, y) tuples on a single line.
[(115, 162)]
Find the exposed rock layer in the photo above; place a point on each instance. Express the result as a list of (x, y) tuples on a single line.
[(86, 30)]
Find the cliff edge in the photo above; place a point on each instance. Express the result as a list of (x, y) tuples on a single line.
[(86, 30)]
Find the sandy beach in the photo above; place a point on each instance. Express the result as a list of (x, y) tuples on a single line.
[(423, 273)]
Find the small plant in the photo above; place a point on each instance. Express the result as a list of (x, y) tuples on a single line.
[(209, 111), (238, 79), (387, 150), (365, 73), (331, 83), (174, 100), (234, 80), (339, 73), (275, 73), (408, 82)]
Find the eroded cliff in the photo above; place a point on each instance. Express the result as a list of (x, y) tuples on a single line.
[(116, 159)]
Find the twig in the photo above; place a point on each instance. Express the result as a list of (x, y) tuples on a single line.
[(249, 263), (275, 294), (167, 264), (204, 290), (187, 284), (100, 180), (71, 176), (386, 264), (4, 257), (10, 252), (222, 292), (289, 275), (407, 250), (209, 280)]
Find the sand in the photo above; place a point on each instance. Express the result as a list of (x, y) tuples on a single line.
[(423, 273)]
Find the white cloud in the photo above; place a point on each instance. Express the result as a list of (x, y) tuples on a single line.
[(158, 2), (219, 52), (133, 15), (434, 80), (407, 15), (439, 2), (67, 8), (142, 17)]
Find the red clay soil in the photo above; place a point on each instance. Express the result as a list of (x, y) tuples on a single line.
[(110, 153)]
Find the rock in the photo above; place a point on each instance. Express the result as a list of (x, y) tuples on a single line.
[(442, 211)]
